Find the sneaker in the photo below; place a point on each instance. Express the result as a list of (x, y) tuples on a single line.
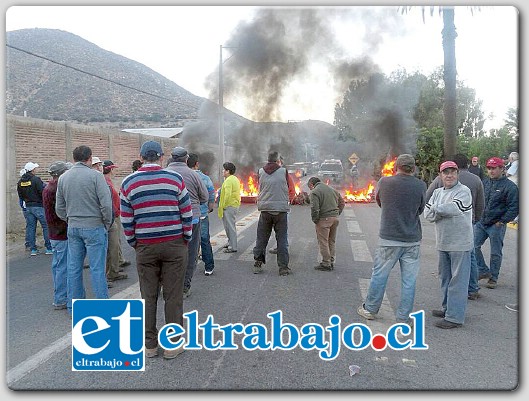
[(445, 324), (512, 307), (438, 313), (187, 292), (229, 250), (49, 251), (34, 252), (171, 354), (257, 267), (59, 307), (151, 352), (491, 284), (225, 246), (121, 276), (208, 272), (365, 313), (124, 263), (284, 271), (273, 251), (484, 276), (473, 296), (323, 268)]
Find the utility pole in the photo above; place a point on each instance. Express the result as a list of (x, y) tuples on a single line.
[(222, 152), (221, 118)]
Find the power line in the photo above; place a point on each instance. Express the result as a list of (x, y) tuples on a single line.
[(98, 76)]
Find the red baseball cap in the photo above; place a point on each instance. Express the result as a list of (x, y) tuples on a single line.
[(495, 162), (448, 164)]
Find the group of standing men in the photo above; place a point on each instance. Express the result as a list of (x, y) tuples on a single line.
[(465, 210)]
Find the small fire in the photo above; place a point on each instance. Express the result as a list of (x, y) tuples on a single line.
[(367, 194), (249, 188), (362, 195), (389, 168), (297, 188)]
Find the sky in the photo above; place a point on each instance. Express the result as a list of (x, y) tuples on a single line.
[(183, 43)]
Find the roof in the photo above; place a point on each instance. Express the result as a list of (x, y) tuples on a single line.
[(160, 132)]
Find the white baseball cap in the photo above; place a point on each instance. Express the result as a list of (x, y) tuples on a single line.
[(96, 160), (30, 166)]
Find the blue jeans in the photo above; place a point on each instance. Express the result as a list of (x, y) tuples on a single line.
[(205, 244), (496, 235), (279, 222), (473, 283), (454, 272), (386, 257), (26, 241), (93, 242), (192, 248), (34, 214), (59, 268)]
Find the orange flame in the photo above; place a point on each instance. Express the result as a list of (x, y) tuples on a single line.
[(362, 195), (367, 194), (297, 188), (249, 188), (388, 169)]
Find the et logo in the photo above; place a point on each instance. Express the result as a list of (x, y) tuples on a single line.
[(108, 335)]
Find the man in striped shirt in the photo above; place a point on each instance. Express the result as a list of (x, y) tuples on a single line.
[(157, 220)]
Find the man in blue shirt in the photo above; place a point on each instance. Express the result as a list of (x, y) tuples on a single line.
[(205, 209)]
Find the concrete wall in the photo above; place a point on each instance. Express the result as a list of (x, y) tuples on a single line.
[(43, 142)]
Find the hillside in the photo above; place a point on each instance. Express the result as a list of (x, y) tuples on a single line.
[(45, 89), (56, 75)]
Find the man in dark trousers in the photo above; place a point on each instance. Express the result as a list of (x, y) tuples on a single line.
[(276, 191), (198, 193), (402, 199), (501, 207), (156, 214), (326, 204)]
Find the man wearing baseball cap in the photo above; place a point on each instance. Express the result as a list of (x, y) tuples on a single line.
[(157, 216), (114, 232), (58, 229), (29, 189), (450, 208), (501, 207)]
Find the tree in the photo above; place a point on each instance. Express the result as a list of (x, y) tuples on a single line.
[(449, 35)]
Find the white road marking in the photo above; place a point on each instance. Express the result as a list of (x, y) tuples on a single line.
[(132, 292), (385, 316), (360, 251), (353, 227)]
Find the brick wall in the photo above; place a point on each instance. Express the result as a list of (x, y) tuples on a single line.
[(43, 142)]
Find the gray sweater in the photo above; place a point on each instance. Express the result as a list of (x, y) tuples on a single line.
[(473, 183), (451, 211), (83, 198), (198, 193), (401, 198)]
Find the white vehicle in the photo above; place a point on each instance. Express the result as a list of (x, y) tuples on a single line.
[(331, 170)]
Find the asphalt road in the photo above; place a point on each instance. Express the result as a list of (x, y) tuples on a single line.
[(482, 355)]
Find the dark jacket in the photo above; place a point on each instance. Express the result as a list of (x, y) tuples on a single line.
[(477, 170), (29, 189), (57, 228), (501, 201)]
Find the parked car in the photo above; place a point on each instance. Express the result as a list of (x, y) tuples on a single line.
[(331, 171)]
